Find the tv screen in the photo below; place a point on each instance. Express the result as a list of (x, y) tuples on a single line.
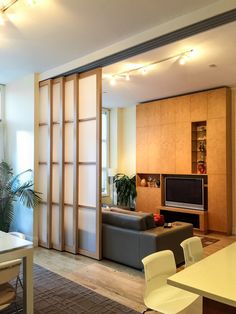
[(184, 192)]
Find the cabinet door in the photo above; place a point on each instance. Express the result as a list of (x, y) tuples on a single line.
[(198, 106), (148, 199), (182, 105), (167, 149), (217, 203), (168, 111), (216, 146), (153, 149), (148, 114), (183, 147), (217, 103), (141, 150)]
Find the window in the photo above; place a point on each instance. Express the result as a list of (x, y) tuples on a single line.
[(1, 101), (105, 150)]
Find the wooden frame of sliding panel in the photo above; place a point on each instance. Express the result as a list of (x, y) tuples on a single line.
[(99, 164), (73, 248), (49, 165), (75, 166), (98, 252), (59, 204)]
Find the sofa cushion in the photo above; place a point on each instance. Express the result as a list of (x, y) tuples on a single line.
[(149, 218), (125, 221)]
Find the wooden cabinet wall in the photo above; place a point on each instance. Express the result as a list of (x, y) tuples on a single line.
[(164, 146)]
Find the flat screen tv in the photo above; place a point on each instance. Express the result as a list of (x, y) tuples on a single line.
[(184, 192)]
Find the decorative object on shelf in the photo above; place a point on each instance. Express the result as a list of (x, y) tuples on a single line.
[(143, 182), (125, 189), (201, 167), (202, 146), (13, 189), (153, 182)]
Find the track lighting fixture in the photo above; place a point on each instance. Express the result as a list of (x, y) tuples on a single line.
[(183, 57), (7, 4)]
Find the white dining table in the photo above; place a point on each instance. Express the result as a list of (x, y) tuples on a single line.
[(12, 248), (213, 278)]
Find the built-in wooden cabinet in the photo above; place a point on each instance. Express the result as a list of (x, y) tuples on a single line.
[(189, 135)]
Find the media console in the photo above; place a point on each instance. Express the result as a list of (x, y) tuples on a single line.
[(196, 217)]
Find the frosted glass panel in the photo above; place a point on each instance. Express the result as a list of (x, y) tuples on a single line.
[(87, 229), (43, 143), (43, 222), (43, 104), (56, 101), (87, 185), (55, 142), (69, 100), (69, 142), (43, 182), (55, 183), (87, 97), (68, 184), (55, 225), (68, 225), (87, 141)]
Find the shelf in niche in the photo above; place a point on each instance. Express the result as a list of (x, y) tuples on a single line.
[(148, 180), (199, 147)]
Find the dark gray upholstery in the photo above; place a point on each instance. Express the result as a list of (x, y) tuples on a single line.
[(127, 239)]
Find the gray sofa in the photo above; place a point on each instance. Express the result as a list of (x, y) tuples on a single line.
[(128, 236)]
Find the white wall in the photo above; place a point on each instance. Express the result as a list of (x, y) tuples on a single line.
[(123, 140), (19, 117)]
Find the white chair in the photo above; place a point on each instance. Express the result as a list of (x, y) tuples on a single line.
[(17, 234), (193, 250), (160, 296), (21, 236), (8, 271)]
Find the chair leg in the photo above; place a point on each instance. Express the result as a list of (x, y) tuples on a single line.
[(19, 280), (147, 310)]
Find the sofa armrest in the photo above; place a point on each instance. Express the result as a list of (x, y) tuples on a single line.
[(159, 239)]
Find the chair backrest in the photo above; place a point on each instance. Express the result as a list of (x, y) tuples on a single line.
[(193, 250), (18, 235), (9, 270), (157, 268)]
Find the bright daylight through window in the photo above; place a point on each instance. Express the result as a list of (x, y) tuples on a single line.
[(105, 150)]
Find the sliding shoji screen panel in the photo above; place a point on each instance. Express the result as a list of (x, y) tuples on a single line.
[(45, 162), (71, 164), (89, 185), (57, 209)]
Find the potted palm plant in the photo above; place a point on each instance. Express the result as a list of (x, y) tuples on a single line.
[(125, 189), (13, 189)]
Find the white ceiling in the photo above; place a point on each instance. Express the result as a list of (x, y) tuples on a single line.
[(54, 32), (217, 46)]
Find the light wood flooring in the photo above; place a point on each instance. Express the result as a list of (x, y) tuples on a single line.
[(120, 283)]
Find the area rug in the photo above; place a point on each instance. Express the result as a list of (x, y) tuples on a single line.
[(208, 241), (54, 294)]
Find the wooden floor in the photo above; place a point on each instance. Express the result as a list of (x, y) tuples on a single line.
[(120, 283)]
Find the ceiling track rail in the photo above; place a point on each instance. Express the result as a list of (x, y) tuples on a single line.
[(191, 30)]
